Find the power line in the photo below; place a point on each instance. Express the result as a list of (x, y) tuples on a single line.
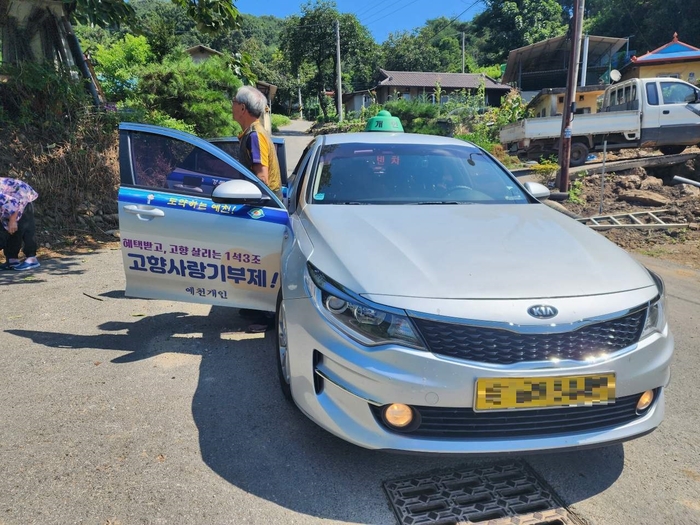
[(384, 8), (639, 31), (455, 18), (373, 5)]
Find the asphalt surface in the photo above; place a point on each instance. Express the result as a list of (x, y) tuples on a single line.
[(126, 411)]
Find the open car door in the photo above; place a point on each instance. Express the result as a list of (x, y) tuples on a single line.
[(177, 243)]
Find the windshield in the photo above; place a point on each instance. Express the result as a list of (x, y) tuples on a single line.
[(411, 174)]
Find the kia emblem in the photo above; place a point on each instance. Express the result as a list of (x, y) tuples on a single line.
[(542, 311)]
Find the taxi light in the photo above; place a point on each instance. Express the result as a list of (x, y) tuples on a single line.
[(384, 122), (398, 415), (645, 400)]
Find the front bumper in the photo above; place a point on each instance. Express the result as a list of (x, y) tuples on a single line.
[(336, 381)]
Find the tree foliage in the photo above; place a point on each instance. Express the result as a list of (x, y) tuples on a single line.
[(648, 23), (210, 16), (197, 94), (510, 24), (310, 40), (119, 65)]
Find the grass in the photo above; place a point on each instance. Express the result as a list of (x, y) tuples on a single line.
[(278, 120)]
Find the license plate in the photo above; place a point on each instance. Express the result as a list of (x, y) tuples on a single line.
[(500, 393)]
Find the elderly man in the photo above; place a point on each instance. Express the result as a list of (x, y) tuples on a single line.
[(257, 152)]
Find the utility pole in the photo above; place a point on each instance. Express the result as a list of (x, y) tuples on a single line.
[(462, 51), (301, 107), (340, 83), (571, 80)]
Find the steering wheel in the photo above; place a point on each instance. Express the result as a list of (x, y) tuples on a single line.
[(456, 188)]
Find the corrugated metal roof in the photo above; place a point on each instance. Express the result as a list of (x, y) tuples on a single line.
[(544, 64), (447, 80)]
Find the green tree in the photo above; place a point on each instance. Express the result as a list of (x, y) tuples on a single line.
[(310, 39), (197, 94), (437, 46), (649, 23), (510, 24), (211, 16), (119, 64)]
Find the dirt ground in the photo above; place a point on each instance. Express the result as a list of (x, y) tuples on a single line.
[(651, 190)]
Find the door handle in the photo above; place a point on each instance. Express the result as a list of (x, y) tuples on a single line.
[(666, 112), (155, 212)]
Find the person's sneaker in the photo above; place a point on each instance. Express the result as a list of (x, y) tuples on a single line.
[(8, 266), (26, 266)]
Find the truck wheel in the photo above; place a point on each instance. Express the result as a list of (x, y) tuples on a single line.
[(579, 154), (671, 150)]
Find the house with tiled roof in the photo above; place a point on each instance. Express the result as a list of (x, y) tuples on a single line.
[(675, 59), (412, 84)]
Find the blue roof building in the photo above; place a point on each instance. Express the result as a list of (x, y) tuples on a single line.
[(675, 59)]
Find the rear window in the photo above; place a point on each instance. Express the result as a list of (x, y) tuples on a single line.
[(411, 174)]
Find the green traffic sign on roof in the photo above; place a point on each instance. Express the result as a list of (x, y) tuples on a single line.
[(384, 122)]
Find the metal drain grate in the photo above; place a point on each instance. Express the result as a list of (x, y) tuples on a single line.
[(503, 494)]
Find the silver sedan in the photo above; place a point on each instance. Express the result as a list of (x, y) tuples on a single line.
[(425, 300)]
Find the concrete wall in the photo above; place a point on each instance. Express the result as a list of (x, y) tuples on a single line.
[(688, 71), (550, 105)]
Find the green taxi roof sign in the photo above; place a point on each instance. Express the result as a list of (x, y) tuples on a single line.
[(384, 122)]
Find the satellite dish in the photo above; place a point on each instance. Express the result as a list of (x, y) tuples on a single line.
[(615, 75)]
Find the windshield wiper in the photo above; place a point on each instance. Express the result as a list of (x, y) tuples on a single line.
[(441, 202)]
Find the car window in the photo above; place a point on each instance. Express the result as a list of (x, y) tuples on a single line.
[(231, 145), (164, 162), (674, 93), (652, 95), (296, 177), (410, 174)]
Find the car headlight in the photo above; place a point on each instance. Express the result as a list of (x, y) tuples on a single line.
[(656, 312), (367, 323)]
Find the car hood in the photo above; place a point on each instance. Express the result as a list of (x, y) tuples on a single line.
[(466, 252)]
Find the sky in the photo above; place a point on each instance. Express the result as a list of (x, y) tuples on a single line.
[(381, 17)]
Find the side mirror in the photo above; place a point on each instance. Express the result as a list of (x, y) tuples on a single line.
[(238, 191), (537, 190)]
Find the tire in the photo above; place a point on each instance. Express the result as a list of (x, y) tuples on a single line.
[(579, 154), (282, 350), (672, 150)]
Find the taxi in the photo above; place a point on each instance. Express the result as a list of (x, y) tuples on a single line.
[(417, 288)]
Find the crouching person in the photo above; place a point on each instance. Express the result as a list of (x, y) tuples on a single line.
[(18, 229)]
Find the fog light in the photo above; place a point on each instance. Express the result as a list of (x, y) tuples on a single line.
[(645, 400), (398, 415)]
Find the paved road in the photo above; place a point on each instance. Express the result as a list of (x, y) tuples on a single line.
[(126, 411)]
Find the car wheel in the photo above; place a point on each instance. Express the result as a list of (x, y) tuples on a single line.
[(671, 150), (579, 154), (282, 352)]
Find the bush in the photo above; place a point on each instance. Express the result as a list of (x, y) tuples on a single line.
[(198, 95), (119, 64), (546, 170), (278, 120), (413, 114), (39, 96), (479, 138)]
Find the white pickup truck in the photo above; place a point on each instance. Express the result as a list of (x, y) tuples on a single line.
[(661, 113)]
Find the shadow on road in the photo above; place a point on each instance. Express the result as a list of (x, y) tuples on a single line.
[(251, 437), (55, 267)]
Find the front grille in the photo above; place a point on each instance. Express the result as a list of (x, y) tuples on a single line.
[(465, 423), (499, 346)]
